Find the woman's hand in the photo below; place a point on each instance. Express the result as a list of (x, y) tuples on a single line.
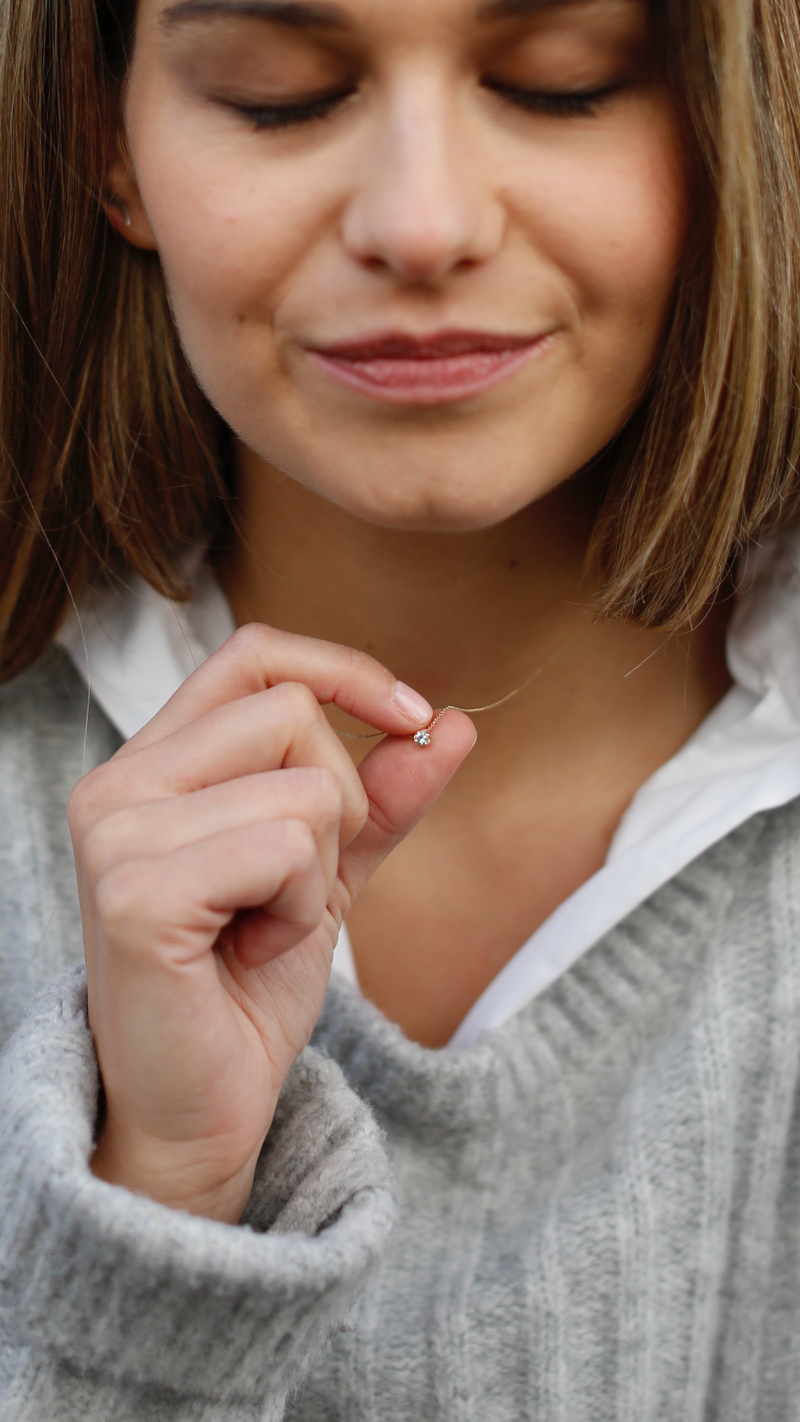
[(217, 854)]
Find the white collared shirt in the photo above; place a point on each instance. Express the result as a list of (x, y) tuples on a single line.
[(136, 648)]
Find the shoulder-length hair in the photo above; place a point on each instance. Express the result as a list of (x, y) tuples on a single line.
[(110, 455)]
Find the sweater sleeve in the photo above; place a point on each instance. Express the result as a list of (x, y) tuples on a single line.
[(112, 1306)]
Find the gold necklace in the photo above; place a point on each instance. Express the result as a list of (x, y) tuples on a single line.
[(423, 738)]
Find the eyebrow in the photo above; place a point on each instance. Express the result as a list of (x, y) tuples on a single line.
[(297, 14), (321, 15), (518, 9)]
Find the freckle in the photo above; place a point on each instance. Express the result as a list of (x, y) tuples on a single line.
[(240, 318), (514, 563)]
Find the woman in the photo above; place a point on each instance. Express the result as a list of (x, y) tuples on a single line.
[(452, 343)]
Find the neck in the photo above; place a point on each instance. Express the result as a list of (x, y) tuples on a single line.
[(459, 616), (467, 617)]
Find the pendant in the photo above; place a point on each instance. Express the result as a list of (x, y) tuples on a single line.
[(422, 739)]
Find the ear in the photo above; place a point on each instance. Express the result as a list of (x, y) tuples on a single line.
[(123, 206)]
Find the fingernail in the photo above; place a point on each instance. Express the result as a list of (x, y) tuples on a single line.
[(412, 705)]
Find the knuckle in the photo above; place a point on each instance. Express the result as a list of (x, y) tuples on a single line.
[(301, 704), (327, 794), (248, 641), (383, 821), (366, 668), (120, 894), (76, 809), (299, 847), (107, 839), (95, 849), (361, 807), (359, 661), (88, 797)]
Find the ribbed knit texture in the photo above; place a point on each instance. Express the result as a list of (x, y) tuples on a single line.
[(600, 1204)]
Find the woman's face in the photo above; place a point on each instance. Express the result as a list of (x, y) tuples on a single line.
[(420, 252)]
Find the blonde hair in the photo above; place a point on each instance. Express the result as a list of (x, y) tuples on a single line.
[(110, 456), (710, 461)]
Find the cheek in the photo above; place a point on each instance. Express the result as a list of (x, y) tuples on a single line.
[(611, 214), (230, 231)]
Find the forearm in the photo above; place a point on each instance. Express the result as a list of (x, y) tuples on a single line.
[(115, 1306)]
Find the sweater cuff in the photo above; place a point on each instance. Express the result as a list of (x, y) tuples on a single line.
[(117, 1301)]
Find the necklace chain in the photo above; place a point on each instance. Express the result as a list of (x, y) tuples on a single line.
[(423, 738)]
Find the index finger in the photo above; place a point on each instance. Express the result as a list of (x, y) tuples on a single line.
[(257, 657)]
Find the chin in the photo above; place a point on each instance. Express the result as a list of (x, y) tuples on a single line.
[(433, 509)]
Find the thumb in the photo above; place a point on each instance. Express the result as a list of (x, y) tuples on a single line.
[(402, 780)]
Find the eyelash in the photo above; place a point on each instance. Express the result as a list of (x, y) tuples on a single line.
[(576, 104), (557, 105), (286, 115)]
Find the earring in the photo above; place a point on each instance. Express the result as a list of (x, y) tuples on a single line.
[(120, 205)]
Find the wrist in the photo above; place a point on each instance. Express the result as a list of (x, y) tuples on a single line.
[(181, 1176)]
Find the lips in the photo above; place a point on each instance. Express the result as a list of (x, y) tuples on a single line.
[(427, 370)]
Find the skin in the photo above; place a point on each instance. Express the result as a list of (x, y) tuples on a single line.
[(219, 850)]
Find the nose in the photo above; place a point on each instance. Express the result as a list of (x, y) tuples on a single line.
[(421, 208)]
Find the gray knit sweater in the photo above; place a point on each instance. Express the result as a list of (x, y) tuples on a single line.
[(599, 1205)]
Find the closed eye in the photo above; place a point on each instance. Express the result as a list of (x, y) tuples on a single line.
[(300, 111), (573, 103)]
